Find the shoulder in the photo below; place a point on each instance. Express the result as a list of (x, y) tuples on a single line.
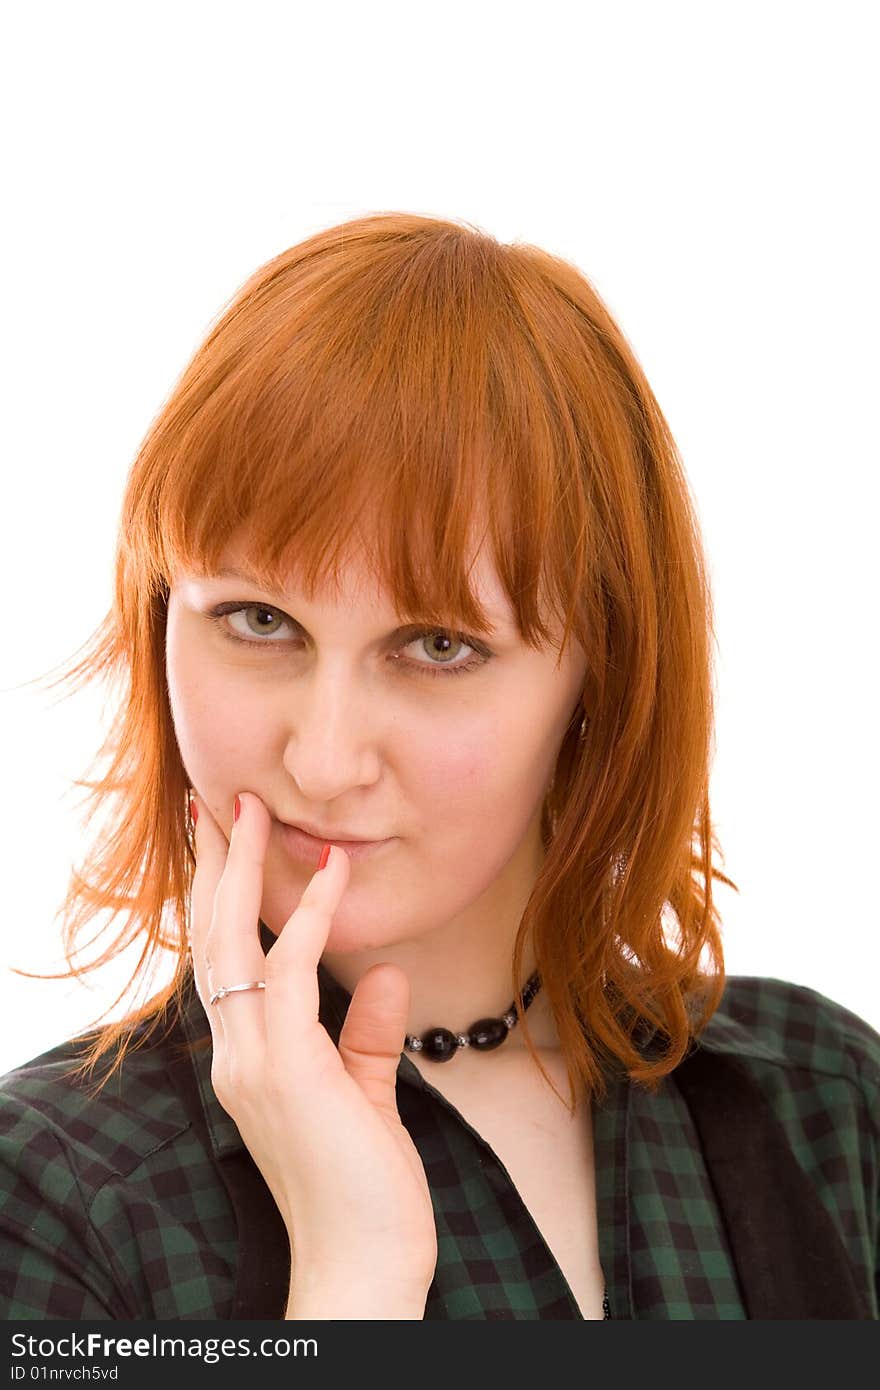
[(812, 1056), (793, 1025), (107, 1190), (49, 1116)]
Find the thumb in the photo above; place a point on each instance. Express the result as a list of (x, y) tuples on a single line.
[(372, 1035)]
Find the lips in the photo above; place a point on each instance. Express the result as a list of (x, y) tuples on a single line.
[(327, 837), (307, 848)]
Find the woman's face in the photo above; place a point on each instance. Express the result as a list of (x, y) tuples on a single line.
[(330, 719)]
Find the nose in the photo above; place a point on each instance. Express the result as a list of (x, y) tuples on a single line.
[(329, 747)]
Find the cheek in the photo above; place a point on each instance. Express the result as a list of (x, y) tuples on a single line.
[(457, 773), (218, 729), (484, 763), (448, 768), (480, 786)]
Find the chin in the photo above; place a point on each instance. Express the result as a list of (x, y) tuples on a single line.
[(348, 934)]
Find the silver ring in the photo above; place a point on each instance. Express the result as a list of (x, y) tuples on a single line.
[(222, 992)]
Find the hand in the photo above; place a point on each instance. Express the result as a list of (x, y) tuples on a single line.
[(321, 1125)]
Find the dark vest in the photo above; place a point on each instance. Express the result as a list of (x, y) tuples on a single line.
[(790, 1261)]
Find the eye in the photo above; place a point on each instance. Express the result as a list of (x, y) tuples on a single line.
[(435, 639), (439, 640), (265, 614)]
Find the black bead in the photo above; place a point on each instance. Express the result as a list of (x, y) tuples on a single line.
[(531, 989), (487, 1033), (439, 1044)]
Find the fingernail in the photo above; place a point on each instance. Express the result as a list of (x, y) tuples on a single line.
[(194, 811), (325, 855), (236, 809)]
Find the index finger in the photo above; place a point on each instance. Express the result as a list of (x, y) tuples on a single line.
[(292, 997)]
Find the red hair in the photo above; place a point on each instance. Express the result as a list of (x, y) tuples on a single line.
[(380, 386)]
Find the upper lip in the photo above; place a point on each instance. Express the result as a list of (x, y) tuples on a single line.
[(334, 835)]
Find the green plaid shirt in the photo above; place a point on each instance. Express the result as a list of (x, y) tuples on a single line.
[(144, 1203)]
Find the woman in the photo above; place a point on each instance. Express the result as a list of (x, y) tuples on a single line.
[(485, 1064)]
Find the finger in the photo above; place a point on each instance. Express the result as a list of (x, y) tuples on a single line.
[(234, 947), (233, 952), (373, 1033), (211, 848), (292, 995)]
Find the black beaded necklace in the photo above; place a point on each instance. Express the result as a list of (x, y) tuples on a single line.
[(439, 1044)]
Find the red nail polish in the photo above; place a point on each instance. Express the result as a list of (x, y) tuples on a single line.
[(325, 855), (236, 809)]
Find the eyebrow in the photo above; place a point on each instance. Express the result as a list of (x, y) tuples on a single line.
[(231, 572)]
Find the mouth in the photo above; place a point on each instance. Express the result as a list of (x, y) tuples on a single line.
[(307, 848)]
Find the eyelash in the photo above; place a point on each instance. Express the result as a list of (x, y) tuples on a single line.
[(223, 610)]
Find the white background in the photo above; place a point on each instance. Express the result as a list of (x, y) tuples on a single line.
[(712, 168)]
